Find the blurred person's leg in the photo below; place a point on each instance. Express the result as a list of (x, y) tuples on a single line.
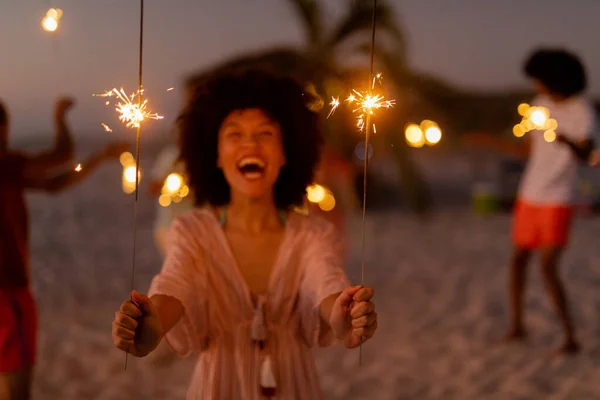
[(18, 336), (557, 223), (525, 238), (517, 279)]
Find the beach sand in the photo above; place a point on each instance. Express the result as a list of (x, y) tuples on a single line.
[(440, 287)]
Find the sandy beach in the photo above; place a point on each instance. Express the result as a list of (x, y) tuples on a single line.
[(440, 287)]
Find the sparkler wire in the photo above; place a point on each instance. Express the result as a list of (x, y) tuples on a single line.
[(137, 154), (366, 160)]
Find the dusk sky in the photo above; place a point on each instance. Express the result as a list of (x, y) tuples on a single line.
[(477, 43)]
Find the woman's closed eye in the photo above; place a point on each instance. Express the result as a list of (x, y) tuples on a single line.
[(233, 134), (266, 133)]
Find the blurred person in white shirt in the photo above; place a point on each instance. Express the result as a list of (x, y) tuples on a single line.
[(547, 191)]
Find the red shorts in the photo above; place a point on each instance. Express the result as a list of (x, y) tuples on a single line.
[(18, 329), (537, 226)]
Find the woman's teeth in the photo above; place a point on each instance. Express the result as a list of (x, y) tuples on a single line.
[(251, 167)]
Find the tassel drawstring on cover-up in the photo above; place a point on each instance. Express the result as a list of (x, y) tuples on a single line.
[(259, 335)]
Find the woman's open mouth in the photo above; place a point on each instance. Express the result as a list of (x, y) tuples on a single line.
[(251, 167)]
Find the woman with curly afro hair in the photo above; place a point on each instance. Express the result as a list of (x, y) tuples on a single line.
[(247, 282)]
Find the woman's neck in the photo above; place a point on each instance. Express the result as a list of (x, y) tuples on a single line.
[(253, 216)]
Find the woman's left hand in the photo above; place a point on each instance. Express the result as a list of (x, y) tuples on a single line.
[(353, 318)]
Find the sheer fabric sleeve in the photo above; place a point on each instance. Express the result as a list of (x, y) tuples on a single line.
[(183, 277), (323, 276)]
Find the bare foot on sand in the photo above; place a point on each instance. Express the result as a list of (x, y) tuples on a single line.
[(568, 348)]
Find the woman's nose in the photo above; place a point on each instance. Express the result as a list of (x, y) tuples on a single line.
[(250, 140)]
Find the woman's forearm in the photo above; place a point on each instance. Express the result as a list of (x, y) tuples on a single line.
[(170, 311)]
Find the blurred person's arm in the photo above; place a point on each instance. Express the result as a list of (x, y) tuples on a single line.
[(580, 138), (582, 149), (63, 149), (58, 182), (518, 148)]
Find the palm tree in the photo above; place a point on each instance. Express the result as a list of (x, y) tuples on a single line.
[(317, 62)]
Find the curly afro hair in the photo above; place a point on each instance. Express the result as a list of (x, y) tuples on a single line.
[(560, 71), (282, 98)]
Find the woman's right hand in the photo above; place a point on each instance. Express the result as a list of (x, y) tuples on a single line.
[(136, 328)]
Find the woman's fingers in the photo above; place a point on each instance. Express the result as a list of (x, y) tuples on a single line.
[(125, 321), (129, 308), (365, 320), (366, 332), (364, 294), (361, 308), (122, 332), (123, 344)]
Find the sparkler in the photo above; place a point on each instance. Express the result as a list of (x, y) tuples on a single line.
[(133, 115), (130, 113), (365, 103)]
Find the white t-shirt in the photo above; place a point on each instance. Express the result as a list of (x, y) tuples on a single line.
[(550, 177), (166, 163)]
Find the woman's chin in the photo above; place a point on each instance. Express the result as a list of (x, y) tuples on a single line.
[(254, 192)]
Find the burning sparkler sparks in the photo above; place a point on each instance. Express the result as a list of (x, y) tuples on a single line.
[(131, 113), (366, 103), (78, 168)]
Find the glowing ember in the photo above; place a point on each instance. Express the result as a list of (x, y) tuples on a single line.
[(78, 168)]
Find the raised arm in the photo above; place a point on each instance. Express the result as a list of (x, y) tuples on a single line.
[(63, 149), (62, 180), (517, 148)]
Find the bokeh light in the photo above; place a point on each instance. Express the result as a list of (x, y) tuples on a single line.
[(49, 24), (433, 135), (549, 136), (359, 151), (328, 202), (50, 21), (173, 182), (321, 196), (414, 135), (315, 193)]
